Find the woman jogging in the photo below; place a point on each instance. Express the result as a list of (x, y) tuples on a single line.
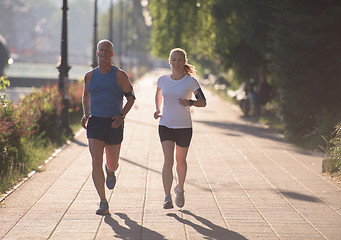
[(175, 126)]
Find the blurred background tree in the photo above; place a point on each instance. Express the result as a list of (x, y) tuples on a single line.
[(305, 58), (296, 43)]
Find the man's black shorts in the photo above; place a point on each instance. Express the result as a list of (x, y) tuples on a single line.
[(101, 129), (181, 136)]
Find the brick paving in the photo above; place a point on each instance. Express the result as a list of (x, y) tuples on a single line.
[(243, 182)]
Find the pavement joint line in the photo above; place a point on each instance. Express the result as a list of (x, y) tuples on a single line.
[(334, 184), (293, 207), (112, 191), (111, 194), (240, 185), (110, 197), (210, 187), (67, 209), (145, 190), (30, 174), (299, 182), (184, 224)]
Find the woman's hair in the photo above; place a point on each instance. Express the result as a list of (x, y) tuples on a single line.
[(190, 69)]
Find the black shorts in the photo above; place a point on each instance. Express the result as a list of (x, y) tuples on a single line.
[(181, 136), (100, 128)]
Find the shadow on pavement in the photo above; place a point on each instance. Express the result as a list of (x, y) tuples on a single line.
[(211, 230), (244, 128), (133, 231), (159, 172), (78, 142), (300, 196)]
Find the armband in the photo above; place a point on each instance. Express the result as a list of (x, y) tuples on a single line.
[(200, 94), (131, 93)]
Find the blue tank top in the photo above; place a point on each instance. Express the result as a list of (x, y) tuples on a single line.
[(106, 96)]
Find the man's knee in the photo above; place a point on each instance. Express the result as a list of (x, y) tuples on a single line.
[(97, 163)]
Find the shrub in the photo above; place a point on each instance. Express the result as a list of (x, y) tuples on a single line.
[(332, 163), (42, 108), (12, 152), (75, 97), (31, 127)]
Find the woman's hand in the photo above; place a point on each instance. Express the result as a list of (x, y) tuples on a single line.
[(157, 114), (185, 102)]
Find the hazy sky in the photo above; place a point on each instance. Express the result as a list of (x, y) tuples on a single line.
[(102, 4)]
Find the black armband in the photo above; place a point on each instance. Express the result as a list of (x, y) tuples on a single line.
[(200, 94), (131, 93)]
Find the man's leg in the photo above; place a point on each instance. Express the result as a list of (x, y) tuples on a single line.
[(96, 150), (112, 153)]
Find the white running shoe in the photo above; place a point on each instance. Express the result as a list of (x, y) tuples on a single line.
[(180, 197)]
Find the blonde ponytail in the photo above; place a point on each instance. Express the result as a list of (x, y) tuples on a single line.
[(190, 69)]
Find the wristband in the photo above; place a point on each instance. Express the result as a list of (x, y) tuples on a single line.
[(122, 115), (191, 102)]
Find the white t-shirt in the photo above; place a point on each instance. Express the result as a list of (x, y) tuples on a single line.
[(174, 115)]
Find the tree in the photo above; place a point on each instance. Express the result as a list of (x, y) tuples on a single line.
[(241, 35), (305, 57), (174, 25), (226, 33)]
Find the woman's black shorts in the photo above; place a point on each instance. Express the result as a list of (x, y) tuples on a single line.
[(100, 128), (181, 136)]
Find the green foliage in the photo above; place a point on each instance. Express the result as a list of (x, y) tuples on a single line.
[(332, 163), (30, 130), (228, 34), (176, 23), (295, 43), (241, 35), (4, 82), (40, 111), (305, 54)]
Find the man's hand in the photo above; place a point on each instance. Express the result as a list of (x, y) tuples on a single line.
[(84, 120), (118, 120)]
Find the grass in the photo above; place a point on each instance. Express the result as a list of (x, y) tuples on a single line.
[(332, 163)]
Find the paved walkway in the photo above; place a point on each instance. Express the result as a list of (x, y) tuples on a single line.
[(243, 182)]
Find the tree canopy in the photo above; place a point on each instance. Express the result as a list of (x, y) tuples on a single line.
[(297, 43)]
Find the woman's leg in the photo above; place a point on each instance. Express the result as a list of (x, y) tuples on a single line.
[(181, 165), (96, 148), (167, 170)]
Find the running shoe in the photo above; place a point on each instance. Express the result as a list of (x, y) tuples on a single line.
[(103, 208), (111, 178), (180, 197), (168, 204)]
